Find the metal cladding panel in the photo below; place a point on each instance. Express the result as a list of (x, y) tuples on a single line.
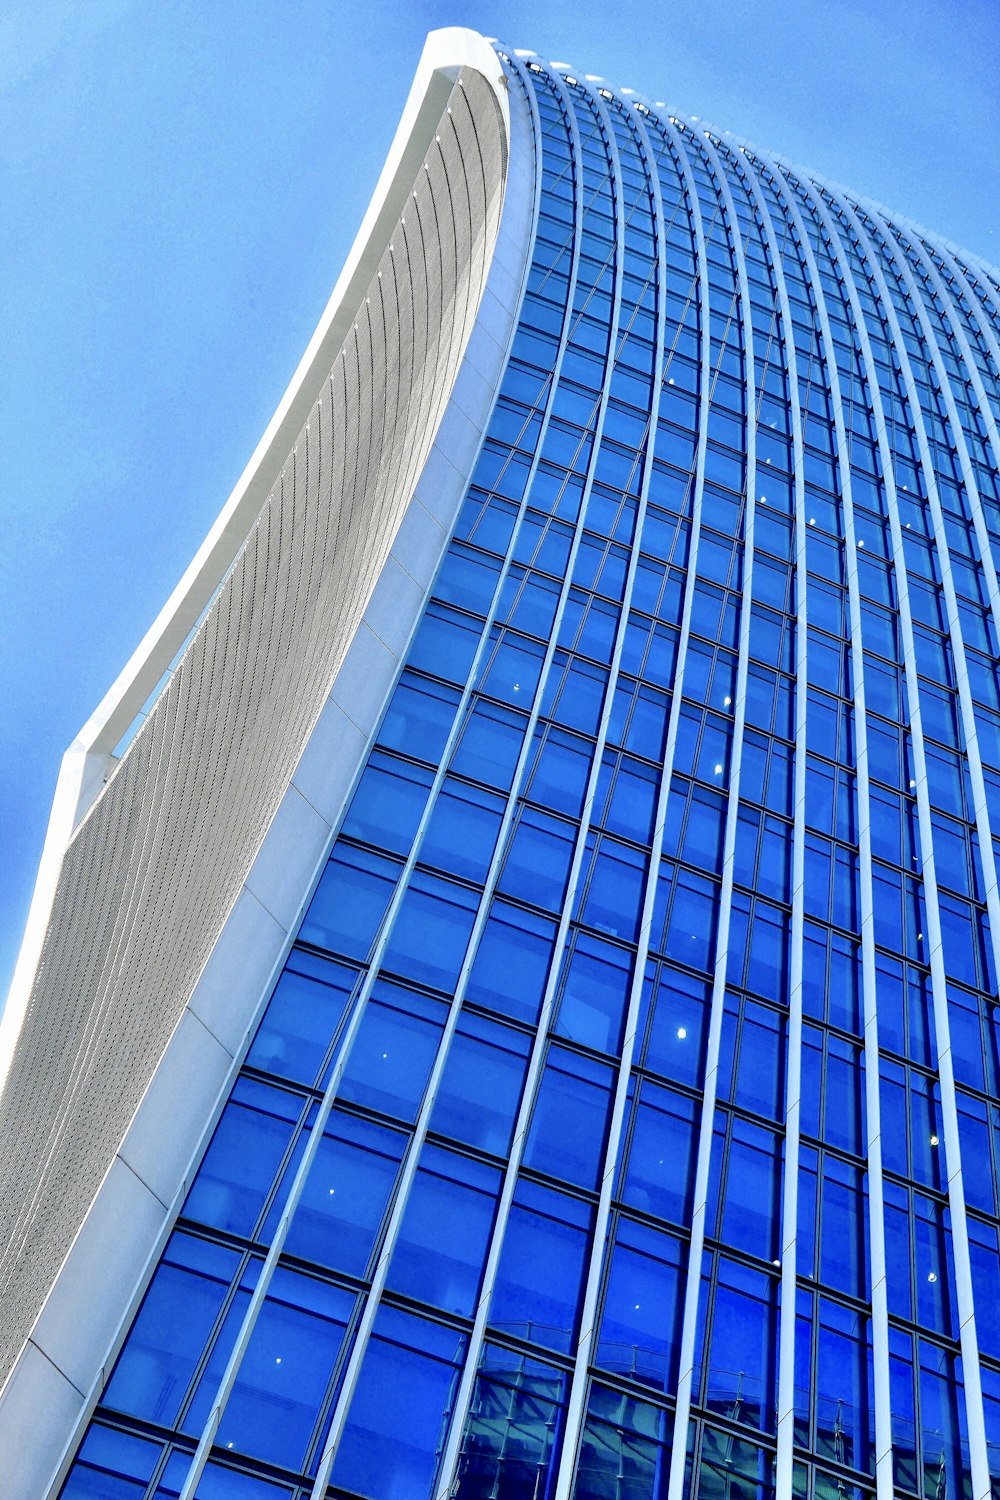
[(152, 872)]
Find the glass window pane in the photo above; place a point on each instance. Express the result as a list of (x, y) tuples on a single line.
[(303, 1014), (538, 1282), (480, 1088), (286, 1371), (173, 1327), (445, 1269), (245, 1157), (393, 1051), (569, 1120), (512, 961), (396, 1429), (346, 1193), (640, 1323)]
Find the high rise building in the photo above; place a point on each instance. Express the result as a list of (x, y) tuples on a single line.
[(517, 1016)]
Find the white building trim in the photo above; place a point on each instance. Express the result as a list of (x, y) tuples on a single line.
[(445, 394)]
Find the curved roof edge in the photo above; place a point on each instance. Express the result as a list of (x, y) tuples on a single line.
[(89, 760)]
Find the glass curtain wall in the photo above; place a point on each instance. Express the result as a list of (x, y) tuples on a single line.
[(624, 1122)]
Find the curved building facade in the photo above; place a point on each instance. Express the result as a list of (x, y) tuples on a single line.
[(520, 1018)]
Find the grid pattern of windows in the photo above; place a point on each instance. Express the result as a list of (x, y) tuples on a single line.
[(624, 1122)]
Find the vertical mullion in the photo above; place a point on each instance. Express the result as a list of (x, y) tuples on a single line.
[(576, 1405), (985, 409), (452, 1453), (956, 1186), (876, 1220), (977, 311), (960, 445), (985, 287), (949, 1113), (793, 1091), (676, 1481)]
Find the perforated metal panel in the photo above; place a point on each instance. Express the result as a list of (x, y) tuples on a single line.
[(151, 874)]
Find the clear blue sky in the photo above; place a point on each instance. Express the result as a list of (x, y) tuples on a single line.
[(180, 184)]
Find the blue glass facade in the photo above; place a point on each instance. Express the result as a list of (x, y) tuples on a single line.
[(624, 1122)]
